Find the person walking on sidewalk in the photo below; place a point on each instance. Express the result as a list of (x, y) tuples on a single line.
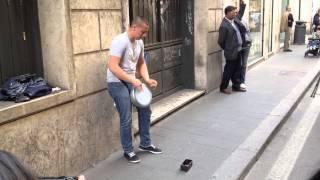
[(286, 27), (231, 38), (316, 21), (127, 57)]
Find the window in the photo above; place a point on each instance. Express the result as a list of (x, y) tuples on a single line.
[(163, 17), (20, 50), (256, 28)]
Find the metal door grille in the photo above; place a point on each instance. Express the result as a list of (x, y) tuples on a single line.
[(163, 17)]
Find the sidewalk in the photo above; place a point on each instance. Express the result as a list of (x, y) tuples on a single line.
[(221, 133)]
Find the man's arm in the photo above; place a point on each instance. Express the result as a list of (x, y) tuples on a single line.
[(143, 71), (114, 67), (241, 9)]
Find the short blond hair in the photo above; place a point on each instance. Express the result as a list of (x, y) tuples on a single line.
[(138, 20)]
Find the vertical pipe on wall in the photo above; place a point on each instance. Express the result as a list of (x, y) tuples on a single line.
[(263, 25), (299, 8)]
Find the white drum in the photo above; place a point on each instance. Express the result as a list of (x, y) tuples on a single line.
[(141, 98)]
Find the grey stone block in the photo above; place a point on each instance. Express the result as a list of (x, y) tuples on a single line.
[(85, 32), (211, 20), (212, 3), (95, 4), (214, 71), (90, 72), (219, 17), (110, 26), (56, 44)]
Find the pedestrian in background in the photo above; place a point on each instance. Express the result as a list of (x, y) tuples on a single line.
[(246, 45), (286, 27), (316, 34), (316, 21), (231, 39), (127, 57)]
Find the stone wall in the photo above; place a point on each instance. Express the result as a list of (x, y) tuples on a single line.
[(66, 133), (94, 24), (208, 55), (65, 139), (214, 69), (82, 128)]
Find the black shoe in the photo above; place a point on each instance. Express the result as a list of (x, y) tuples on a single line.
[(225, 91), (240, 89), (132, 157), (151, 148), (287, 50)]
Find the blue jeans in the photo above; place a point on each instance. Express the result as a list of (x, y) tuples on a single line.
[(120, 93)]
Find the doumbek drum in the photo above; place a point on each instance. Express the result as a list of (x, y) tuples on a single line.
[(141, 98)]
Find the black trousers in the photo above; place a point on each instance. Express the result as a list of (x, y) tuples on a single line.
[(232, 71)]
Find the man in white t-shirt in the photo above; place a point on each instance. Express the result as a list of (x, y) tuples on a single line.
[(127, 58)]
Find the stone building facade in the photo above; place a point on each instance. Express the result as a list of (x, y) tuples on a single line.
[(69, 131), (208, 65)]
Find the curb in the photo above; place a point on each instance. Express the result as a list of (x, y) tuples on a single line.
[(238, 164)]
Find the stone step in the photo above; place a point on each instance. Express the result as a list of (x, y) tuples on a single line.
[(168, 105)]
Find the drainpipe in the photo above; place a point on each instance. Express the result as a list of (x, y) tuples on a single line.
[(299, 9)]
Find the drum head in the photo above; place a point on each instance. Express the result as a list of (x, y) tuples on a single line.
[(141, 98)]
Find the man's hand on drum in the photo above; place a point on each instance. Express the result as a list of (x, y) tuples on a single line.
[(152, 83)]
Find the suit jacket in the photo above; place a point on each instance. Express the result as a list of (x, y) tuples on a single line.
[(228, 39)]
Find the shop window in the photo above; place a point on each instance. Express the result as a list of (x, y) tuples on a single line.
[(270, 30), (256, 28)]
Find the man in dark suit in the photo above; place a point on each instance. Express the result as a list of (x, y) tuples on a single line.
[(231, 40)]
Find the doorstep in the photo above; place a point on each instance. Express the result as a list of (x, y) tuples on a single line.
[(168, 105)]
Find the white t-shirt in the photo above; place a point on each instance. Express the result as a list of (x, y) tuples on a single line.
[(128, 53)]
